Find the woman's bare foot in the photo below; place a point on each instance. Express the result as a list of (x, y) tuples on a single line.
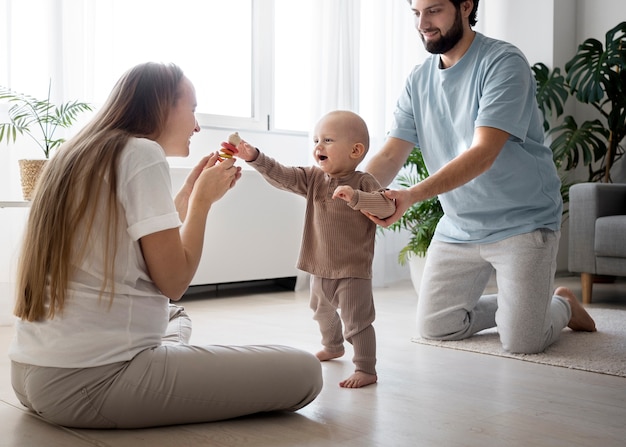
[(325, 355), (581, 320), (358, 380)]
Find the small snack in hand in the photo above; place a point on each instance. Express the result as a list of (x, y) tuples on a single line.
[(229, 148)]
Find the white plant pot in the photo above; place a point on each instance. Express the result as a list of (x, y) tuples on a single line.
[(416, 269)]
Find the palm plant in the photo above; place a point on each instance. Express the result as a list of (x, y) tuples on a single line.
[(38, 119), (596, 75)]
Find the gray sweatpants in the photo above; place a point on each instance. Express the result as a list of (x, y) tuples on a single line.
[(451, 304), (175, 383)]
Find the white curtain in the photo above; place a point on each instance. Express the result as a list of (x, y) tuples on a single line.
[(366, 49), (336, 57)]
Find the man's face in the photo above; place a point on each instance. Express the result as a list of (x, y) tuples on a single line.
[(439, 24)]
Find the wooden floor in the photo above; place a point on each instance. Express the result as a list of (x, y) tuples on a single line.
[(426, 396)]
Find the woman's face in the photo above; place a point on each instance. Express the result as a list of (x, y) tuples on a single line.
[(181, 123)]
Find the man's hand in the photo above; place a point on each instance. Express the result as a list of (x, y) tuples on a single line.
[(403, 200)]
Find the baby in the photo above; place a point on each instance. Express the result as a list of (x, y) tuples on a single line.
[(338, 240)]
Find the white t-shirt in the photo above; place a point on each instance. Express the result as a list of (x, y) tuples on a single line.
[(492, 86), (92, 331)]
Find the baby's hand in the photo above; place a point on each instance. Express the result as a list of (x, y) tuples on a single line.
[(343, 192), (246, 151)]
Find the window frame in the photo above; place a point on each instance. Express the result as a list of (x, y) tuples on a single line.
[(78, 77), (261, 100)]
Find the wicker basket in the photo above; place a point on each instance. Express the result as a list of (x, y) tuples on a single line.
[(29, 174)]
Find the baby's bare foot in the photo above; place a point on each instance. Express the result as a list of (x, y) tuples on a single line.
[(580, 320), (325, 355), (358, 380)]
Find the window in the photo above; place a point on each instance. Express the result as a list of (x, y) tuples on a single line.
[(293, 34), (256, 64), (211, 41), (225, 48)]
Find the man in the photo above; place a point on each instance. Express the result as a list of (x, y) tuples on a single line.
[(471, 109)]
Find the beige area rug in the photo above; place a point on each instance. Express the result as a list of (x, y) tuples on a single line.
[(603, 351)]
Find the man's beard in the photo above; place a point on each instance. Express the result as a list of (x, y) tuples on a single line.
[(446, 41)]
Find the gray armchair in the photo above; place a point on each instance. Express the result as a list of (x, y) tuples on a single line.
[(597, 232)]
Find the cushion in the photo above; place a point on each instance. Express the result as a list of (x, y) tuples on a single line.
[(610, 237)]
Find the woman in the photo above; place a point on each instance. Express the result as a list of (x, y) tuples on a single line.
[(98, 344)]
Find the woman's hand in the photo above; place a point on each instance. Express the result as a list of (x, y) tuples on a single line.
[(182, 198), (213, 180)]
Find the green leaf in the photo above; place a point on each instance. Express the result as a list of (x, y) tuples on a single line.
[(551, 91), (585, 71), (593, 68), (571, 142)]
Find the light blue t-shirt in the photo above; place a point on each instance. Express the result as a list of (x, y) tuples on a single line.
[(492, 85)]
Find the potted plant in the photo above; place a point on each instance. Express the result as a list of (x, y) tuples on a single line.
[(420, 220), (596, 75), (38, 119)]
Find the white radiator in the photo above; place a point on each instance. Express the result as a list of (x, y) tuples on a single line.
[(253, 232)]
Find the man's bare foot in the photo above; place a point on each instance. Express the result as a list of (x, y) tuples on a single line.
[(581, 320), (358, 380), (325, 355)]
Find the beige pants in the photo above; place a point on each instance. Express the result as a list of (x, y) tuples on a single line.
[(354, 297), (174, 383)]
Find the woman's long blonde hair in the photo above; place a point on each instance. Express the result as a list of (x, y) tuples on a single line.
[(68, 190)]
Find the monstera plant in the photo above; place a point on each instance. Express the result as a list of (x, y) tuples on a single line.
[(596, 76)]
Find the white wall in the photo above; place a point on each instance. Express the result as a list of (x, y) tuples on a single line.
[(510, 21), (595, 17), (11, 224)]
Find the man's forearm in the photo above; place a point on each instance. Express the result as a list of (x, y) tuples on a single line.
[(386, 164)]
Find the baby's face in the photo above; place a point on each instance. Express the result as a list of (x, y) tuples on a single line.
[(333, 149)]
